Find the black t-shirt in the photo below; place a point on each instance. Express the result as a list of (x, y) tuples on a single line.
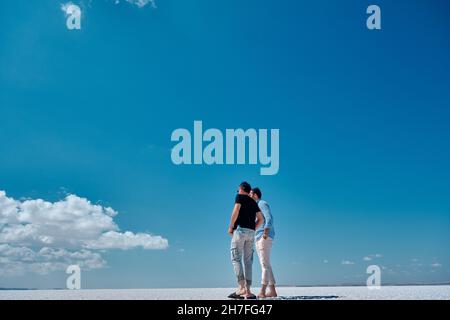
[(247, 213)]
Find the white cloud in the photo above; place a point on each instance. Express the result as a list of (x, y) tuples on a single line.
[(19, 260), (41, 236), (65, 7), (436, 265), (140, 3), (347, 263), (325, 261), (69, 8), (128, 240), (370, 257)]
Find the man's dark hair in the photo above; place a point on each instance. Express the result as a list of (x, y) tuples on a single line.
[(257, 191), (245, 186)]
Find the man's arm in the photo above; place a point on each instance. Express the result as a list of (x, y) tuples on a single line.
[(234, 216), (259, 219), (265, 209)]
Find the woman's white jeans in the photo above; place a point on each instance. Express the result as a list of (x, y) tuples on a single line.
[(263, 248)]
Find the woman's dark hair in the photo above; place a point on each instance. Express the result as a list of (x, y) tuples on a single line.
[(246, 186), (257, 191)]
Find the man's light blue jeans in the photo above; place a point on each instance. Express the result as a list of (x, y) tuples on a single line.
[(242, 251)]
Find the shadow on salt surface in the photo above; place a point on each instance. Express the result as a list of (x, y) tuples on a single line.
[(306, 298)]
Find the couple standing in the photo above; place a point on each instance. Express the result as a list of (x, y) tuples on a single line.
[(251, 222)]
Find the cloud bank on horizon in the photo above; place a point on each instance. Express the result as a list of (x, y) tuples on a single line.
[(68, 6), (141, 3), (41, 237)]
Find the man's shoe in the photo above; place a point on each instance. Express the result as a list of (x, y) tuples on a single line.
[(234, 295)]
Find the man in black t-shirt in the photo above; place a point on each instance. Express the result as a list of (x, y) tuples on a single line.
[(245, 219)]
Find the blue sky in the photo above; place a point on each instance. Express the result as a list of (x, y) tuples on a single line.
[(363, 118)]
